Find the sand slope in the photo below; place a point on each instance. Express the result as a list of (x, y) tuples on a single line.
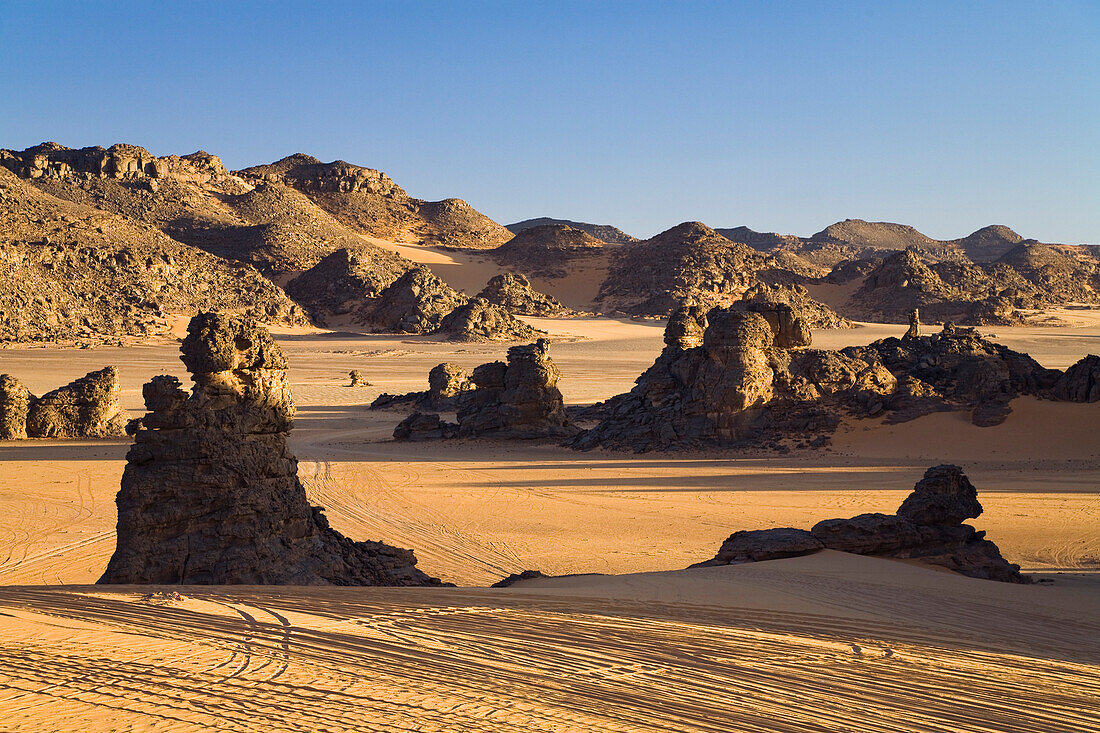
[(829, 642)]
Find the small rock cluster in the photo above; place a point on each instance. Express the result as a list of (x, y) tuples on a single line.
[(211, 495), (928, 527), (86, 408), (517, 399)]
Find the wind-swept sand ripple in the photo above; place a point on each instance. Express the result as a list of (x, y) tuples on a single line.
[(828, 642)]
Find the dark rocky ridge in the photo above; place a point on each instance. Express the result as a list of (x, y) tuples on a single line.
[(688, 264), (478, 320), (416, 302), (346, 281), (928, 527), (603, 232), (210, 494)]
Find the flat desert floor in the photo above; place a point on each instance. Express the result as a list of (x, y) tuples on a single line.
[(827, 642)]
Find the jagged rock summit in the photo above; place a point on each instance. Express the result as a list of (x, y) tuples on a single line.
[(928, 528), (211, 495)]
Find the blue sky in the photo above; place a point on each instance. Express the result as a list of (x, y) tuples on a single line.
[(779, 116)]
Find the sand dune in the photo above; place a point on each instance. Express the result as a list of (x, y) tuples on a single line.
[(827, 642)]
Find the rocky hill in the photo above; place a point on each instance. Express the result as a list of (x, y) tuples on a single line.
[(346, 280), (71, 272), (603, 232), (547, 250), (369, 202), (690, 263)]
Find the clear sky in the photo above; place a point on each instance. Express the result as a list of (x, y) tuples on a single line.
[(779, 116)]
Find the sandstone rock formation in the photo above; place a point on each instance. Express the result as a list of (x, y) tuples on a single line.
[(446, 384), (86, 408), (210, 494), (414, 303), (736, 376), (357, 379), (479, 320), (517, 399), (69, 272), (928, 527), (369, 202), (690, 263), (1081, 382), (514, 293), (956, 369), (15, 402), (814, 313), (424, 426)]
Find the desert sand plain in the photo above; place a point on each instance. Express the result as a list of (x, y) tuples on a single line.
[(825, 642)]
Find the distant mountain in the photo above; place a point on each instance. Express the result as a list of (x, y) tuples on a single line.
[(602, 232), (763, 241), (369, 201), (547, 250)]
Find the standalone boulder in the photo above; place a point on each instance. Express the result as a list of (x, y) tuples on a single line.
[(211, 495), (927, 527), (86, 408), (15, 402), (944, 496), (764, 544)]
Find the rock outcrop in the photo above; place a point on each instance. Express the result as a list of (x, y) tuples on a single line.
[(550, 250), (1081, 382), (603, 232), (447, 383), (514, 293), (86, 408), (813, 312), (738, 376), (414, 303), (15, 402), (928, 527), (517, 399), (956, 369), (368, 201), (211, 495), (690, 263), (479, 320), (752, 380), (357, 379)]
